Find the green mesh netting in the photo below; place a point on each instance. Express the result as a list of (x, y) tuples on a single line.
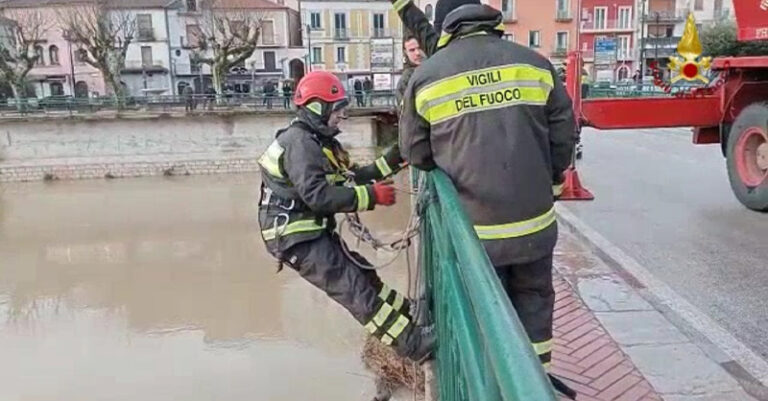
[(484, 353)]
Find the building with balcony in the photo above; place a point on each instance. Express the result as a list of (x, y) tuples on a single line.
[(608, 40), (354, 39), (278, 56), (59, 70), (147, 61), (548, 27), (663, 21)]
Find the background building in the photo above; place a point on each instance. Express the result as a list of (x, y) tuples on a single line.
[(60, 70), (354, 39), (608, 39), (279, 54)]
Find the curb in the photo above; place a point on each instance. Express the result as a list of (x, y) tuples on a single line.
[(719, 347)]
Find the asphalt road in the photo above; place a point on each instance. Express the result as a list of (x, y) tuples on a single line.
[(668, 204)]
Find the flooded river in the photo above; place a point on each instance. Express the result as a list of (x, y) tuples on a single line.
[(160, 289)]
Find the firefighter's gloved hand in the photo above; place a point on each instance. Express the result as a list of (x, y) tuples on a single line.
[(384, 193)]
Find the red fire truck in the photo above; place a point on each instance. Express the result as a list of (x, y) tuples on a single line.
[(732, 110)]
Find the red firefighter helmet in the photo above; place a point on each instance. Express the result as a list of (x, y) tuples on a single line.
[(320, 85)]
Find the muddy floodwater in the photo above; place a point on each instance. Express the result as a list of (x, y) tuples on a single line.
[(160, 289)]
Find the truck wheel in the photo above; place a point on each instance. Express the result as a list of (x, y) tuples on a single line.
[(747, 157)]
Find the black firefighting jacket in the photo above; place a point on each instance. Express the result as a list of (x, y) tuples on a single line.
[(495, 117), (307, 177)]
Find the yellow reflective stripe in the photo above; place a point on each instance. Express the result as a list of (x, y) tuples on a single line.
[(500, 27), (363, 201), (400, 4), (299, 226), (399, 301), (383, 166), (547, 365), (315, 108), (270, 160), (384, 293), (397, 328), (387, 339), (557, 190), (444, 39), (518, 229), (483, 77), (335, 178), (382, 315), (331, 157), (371, 327), (509, 94), (542, 347)]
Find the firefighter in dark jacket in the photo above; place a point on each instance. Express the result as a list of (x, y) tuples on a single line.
[(307, 179), (496, 118)]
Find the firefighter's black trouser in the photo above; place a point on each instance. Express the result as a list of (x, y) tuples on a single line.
[(383, 311), (529, 287)]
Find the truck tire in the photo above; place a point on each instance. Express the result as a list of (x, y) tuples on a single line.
[(747, 157)]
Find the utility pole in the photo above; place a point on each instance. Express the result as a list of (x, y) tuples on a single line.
[(642, 41), (309, 48)]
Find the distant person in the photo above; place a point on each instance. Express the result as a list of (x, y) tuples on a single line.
[(210, 97), (287, 91), (189, 99), (358, 92), (269, 92), (368, 89)]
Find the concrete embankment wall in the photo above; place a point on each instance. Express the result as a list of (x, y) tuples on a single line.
[(130, 146)]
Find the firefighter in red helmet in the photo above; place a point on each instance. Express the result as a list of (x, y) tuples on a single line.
[(307, 177)]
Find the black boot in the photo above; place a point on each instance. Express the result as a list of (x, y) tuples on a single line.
[(418, 343)]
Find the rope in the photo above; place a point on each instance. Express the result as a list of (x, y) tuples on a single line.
[(363, 235)]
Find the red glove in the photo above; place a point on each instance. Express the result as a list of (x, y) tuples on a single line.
[(384, 193)]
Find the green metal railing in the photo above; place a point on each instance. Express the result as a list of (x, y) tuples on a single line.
[(483, 351)]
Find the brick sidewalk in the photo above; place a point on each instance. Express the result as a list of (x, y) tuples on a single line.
[(588, 359)]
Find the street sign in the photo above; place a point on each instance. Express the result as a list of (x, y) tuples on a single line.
[(382, 82), (382, 55), (605, 51)]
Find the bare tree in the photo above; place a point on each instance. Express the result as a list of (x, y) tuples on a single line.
[(103, 34), (226, 38), (25, 29)]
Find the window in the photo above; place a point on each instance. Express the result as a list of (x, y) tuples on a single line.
[(508, 9), (57, 89), (268, 32), (625, 17), (600, 20), (81, 55), (563, 9), (317, 55), (270, 63), (341, 55), (191, 5), (623, 73), (314, 21), (509, 36), (144, 24), (561, 41), (81, 89), (146, 56), (534, 39), (378, 25), (39, 60), (53, 55), (622, 46), (193, 35), (698, 5), (340, 23), (429, 11)]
